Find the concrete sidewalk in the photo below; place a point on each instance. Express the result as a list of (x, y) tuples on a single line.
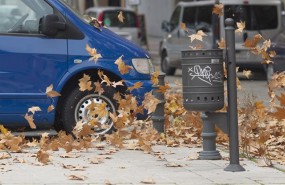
[(134, 167)]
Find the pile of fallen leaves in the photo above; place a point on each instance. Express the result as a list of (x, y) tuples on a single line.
[(262, 128)]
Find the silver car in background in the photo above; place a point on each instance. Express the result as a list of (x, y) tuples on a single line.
[(260, 16)]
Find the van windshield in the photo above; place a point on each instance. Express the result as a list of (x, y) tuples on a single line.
[(256, 17)]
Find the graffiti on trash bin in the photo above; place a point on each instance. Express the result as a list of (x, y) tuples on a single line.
[(205, 74)]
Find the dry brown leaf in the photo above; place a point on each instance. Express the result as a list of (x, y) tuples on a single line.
[(272, 54), (259, 105), (198, 36), (30, 120), (104, 78), (148, 181), (34, 143), (137, 85), (51, 93), (119, 83), (54, 145), (121, 17), (45, 135), (3, 130), (183, 26), (77, 177), (150, 102), (154, 78), (100, 146), (93, 53), (69, 155), (173, 164), (101, 109), (218, 9), (115, 139), (163, 88), (123, 68), (247, 73), (279, 114), (266, 45), (252, 43), (50, 108), (43, 156), (74, 168), (96, 160), (98, 88), (34, 109), (5, 156), (222, 44), (19, 160), (240, 27), (85, 84), (281, 99)]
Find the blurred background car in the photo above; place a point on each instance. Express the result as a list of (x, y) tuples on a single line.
[(129, 29), (260, 16)]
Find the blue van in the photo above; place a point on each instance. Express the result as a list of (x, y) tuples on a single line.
[(44, 45)]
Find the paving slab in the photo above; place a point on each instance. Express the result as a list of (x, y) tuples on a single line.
[(134, 167)]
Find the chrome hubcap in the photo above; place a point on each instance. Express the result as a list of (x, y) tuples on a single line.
[(83, 110)]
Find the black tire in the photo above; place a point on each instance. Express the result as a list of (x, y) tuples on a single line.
[(74, 108), (164, 66)]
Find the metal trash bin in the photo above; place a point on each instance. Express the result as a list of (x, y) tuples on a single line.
[(203, 79)]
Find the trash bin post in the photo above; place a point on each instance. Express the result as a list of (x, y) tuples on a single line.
[(234, 165), (157, 117), (203, 90), (209, 140)]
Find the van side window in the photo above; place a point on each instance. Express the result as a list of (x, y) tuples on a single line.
[(204, 18), (22, 16), (174, 20), (189, 17)]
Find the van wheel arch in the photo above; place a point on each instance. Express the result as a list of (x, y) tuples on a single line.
[(72, 84)]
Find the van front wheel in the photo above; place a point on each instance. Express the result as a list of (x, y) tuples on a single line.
[(82, 106), (164, 65)]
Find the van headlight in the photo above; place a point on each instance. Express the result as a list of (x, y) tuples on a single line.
[(143, 65)]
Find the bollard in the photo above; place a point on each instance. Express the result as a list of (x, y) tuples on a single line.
[(234, 165), (158, 115)]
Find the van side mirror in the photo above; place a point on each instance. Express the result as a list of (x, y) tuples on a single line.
[(50, 25), (165, 26)]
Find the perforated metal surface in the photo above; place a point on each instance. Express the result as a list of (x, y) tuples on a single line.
[(203, 79)]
